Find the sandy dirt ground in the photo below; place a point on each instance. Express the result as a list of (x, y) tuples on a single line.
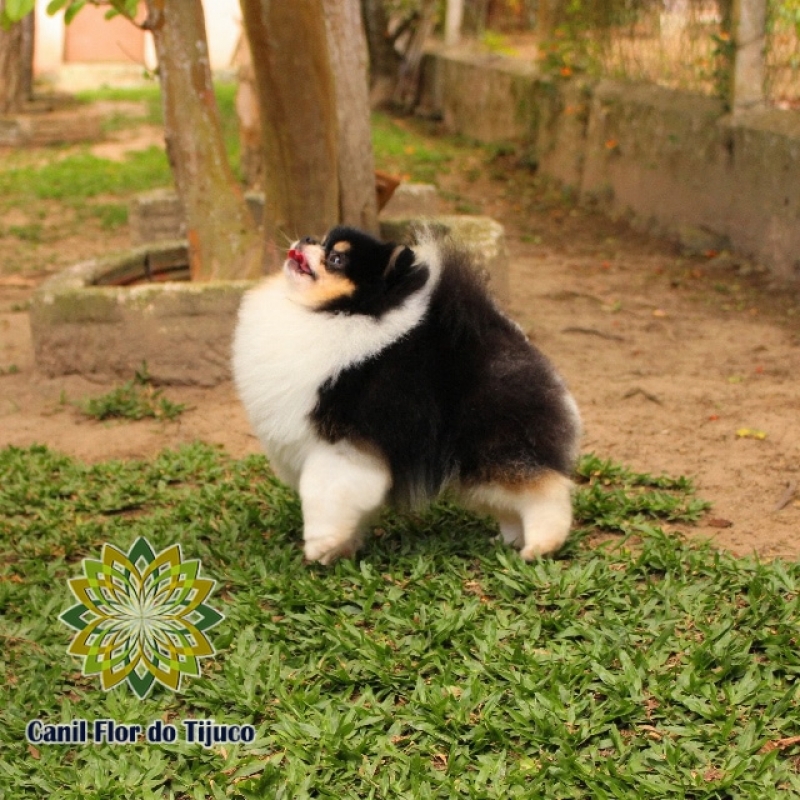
[(680, 364)]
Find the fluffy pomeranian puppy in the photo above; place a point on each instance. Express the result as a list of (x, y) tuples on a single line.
[(375, 373)]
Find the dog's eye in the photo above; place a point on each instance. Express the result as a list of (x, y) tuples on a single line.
[(336, 260)]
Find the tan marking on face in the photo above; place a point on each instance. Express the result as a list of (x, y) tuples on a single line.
[(342, 247), (328, 286)]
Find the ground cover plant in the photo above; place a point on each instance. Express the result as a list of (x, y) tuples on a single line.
[(437, 665), (137, 398)]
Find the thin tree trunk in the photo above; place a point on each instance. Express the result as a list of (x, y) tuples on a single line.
[(453, 20), (749, 29), (250, 136), (222, 236), (347, 44), (384, 61), (297, 101), (12, 73), (28, 37)]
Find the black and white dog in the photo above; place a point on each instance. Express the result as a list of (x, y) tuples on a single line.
[(375, 373)]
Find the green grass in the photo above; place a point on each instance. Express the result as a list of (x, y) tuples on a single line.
[(78, 178), (84, 176), (438, 665), (402, 148), (149, 96), (135, 399), (110, 215)]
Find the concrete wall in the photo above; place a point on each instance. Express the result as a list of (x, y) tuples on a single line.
[(673, 161)]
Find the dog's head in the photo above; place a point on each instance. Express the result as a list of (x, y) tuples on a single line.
[(351, 272)]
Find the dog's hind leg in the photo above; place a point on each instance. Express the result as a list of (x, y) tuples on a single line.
[(341, 488), (535, 515), (545, 506), (511, 531)]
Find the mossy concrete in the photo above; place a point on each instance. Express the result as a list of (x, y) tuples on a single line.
[(39, 127), (672, 162), (181, 330)]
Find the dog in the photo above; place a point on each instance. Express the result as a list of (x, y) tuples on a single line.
[(375, 373)]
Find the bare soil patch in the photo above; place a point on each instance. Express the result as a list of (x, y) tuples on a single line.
[(683, 365)]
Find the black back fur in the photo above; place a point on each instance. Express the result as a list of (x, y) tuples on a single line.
[(462, 396)]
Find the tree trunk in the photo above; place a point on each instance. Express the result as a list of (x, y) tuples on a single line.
[(298, 118), (250, 136), (347, 45), (222, 236), (28, 37), (384, 61), (14, 90), (453, 20), (314, 106), (749, 30)]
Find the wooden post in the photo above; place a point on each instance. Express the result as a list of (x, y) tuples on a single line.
[(454, 17), (749, 25)]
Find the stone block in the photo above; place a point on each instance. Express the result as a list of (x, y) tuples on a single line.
[(412, 200), (39, 128), (181, 330), (155, 216)]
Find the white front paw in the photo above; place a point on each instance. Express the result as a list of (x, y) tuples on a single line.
[(327, 549)]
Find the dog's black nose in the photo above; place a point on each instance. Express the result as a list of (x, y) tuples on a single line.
[(309, 240)]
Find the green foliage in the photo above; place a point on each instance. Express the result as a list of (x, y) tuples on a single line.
[(438, 665), (14, 10), (784, 12), (71, 8), (135, 399)]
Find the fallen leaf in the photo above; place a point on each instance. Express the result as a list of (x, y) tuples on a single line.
[(779, 744), (719, 522), (35, 754), (439, 761), (652, 732), (750, 433)]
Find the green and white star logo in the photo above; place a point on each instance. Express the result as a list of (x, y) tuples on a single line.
[(141, 617)]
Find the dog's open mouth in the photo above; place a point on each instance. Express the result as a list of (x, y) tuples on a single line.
[(299, 263)]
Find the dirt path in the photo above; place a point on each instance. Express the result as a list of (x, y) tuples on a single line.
[(669, 358)]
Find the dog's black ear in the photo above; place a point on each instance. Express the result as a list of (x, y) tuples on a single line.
[(402, 275), (399, 264)]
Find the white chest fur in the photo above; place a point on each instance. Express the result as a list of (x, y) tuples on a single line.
[(283, 352)]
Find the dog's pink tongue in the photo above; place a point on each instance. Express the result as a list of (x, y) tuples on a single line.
[(298, 257)]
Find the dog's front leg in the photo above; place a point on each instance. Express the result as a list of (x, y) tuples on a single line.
[(341, 487)]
